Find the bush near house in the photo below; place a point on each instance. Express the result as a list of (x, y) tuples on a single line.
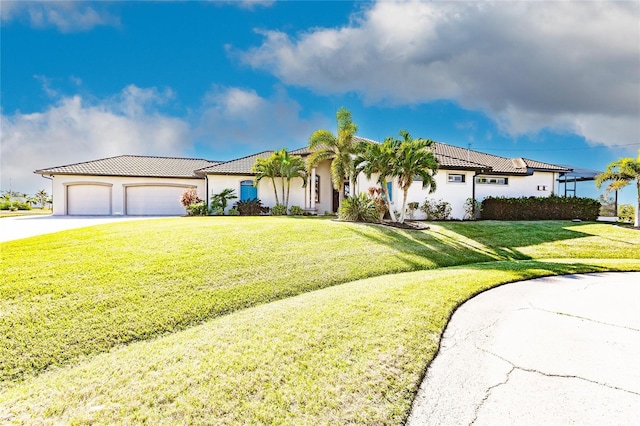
[(279, 210), (540, 208), (436, 210), (626, 213), (251, 207), (359, 208), (296, 211)]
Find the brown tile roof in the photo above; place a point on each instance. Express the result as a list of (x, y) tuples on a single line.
[(134, 165), (240, 166), (456, 157)]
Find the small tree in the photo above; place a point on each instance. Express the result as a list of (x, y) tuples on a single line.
[(220, 200), (268, 167), (190, 198), (622, 173), (339, 148), (42, 196), (378, 159), (626, 213)]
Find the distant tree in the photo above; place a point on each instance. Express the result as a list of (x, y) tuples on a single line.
[(339, 148), (621, 173), (42, 196)]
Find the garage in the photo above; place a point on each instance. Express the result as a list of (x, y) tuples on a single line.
[(89, 200), (154, 200)]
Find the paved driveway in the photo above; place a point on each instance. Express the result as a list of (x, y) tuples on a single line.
[(557, 350), (15, 228)]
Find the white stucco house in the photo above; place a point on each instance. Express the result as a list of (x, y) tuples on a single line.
[(138, 185)]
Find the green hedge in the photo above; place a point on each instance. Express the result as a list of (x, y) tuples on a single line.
[(540, 208)]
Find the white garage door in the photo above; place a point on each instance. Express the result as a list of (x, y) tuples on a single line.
[(88, 200), (154, 200)]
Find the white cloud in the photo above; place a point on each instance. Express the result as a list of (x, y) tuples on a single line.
[(234, 116), (66, 16), (570, 66), (73, 130)]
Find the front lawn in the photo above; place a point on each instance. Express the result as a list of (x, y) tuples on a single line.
[(67, 297)]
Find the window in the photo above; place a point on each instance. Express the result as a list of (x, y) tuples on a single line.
[(456, 178), (317, 189), (492, 180), (390, 191), (247, 190)]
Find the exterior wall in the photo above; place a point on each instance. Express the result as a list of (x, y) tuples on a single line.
[(518, 186), (454, 193), (297, 194), (118, 185), (326, 188)]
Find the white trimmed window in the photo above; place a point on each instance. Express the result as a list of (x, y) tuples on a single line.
[(492, 180), (456, 178)]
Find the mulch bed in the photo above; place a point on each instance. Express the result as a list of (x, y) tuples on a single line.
[(409, 224)]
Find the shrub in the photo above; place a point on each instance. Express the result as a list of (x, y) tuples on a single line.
[(197, 209), (359, 208), (251, 207), (16, 205), (296, 211), (411, 209), (221, 199), (279, 210), (216, 211), (375, 194), (233, 212), (472, 209), (540, 208), (190, 196), (626, 213), (436, 210)]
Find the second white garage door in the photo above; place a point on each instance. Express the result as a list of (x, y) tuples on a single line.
[(154, 200)]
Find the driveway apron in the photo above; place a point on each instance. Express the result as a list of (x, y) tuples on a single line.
[(556, 350)]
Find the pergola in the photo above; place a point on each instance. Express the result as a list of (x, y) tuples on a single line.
[(569, 180)]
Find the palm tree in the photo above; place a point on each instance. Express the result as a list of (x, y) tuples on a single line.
[(222, 199), (414, 160), (375, 158), (292, 166), (325, 146), (42, 196), (268, 167), (621, 173)]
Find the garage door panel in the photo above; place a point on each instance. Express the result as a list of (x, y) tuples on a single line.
[(154, 200), (88, 200)]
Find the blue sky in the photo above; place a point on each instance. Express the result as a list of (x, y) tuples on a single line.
[(552, 81)]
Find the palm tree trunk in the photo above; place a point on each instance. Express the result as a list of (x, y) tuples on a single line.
[(286, 202), (341, 194), (637, 221), (282, 181), (385, 196), (275, 190), (404, 205)]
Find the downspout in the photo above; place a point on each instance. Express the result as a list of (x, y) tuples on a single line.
[(206, 191), (473, 191), (51, 179)]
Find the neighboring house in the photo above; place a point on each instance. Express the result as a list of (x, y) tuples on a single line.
[(131, 190)]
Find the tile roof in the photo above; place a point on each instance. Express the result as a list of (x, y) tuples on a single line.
[(240, 166), (134, 165), (456, 157)]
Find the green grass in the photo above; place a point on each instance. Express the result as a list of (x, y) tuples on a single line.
[(32, 212), (353, 352)]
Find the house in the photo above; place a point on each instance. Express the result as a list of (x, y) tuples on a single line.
[(135, 185)]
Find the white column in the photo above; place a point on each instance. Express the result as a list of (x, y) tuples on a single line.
[(312, 196)]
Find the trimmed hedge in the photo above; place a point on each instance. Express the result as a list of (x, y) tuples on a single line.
[(540, 208), (5, 205)]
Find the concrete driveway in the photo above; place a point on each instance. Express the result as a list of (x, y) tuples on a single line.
[(557, 350), (15, 228)]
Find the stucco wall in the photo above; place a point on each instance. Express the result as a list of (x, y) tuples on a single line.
[(118, 185)]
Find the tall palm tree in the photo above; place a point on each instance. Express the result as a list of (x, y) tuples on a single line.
[(339, 148), (414, 160), (375, 158), (268, 167), (292, 166), (621, 173)]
